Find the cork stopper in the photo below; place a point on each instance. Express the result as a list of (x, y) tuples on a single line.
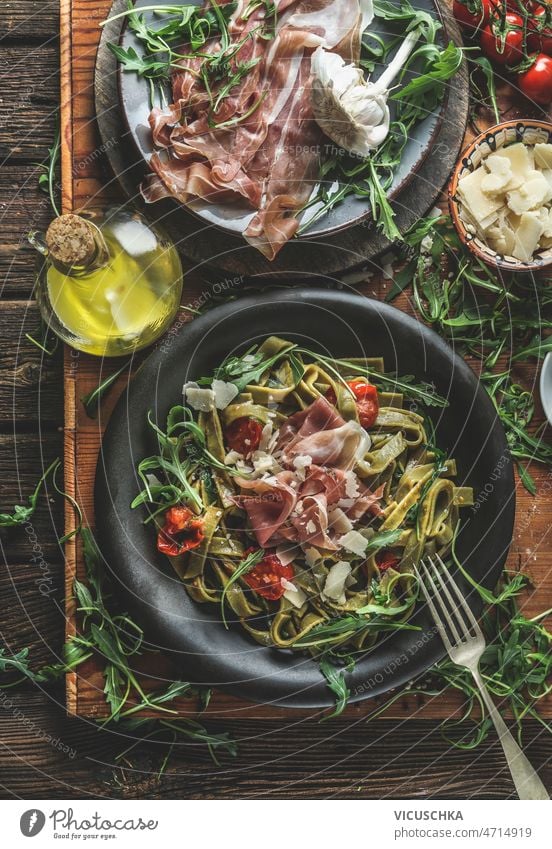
[(70, 240)]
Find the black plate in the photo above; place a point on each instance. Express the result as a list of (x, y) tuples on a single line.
[(344, 325), (134, 95)]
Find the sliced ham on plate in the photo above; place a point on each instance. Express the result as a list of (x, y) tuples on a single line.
[(256, 143)]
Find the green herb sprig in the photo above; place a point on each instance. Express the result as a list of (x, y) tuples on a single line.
[(241, 569), (91, 401), (49, 170), (342, 175), (116, 637), (486, 318), (192, 26), (23, 512)]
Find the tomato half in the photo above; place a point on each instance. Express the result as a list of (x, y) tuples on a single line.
[(536, 83), (266, 577), (243, 435), (181, 532), (504, 47), (386, 560), (472, 14), (366, 396)]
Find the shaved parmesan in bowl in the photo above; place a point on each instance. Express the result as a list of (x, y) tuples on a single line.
[(503, 197)]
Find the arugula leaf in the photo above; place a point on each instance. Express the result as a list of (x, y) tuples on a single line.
[(483, 65), (335, 679), (49, 168), (23, 512), (420, 391), (92, 399), (343, 628), (383, 539), (241, 569), (19, 663), (250, 367)]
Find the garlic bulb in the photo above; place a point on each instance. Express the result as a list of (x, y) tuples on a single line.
[(352, 111)]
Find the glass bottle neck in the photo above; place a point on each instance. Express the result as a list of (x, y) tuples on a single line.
[(96, 259)]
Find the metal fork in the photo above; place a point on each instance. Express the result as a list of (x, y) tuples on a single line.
[(465, 643)]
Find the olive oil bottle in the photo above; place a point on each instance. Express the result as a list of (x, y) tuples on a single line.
[(110, 282)]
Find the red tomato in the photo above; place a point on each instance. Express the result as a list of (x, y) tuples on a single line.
[(472, 14), (385, 560), (244, 435), (367, 401), (181, 532), (266, 577), (536, 83), (513, 5), (504, 48), (540, 30)]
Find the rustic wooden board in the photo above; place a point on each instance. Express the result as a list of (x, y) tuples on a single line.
[(84, 180)]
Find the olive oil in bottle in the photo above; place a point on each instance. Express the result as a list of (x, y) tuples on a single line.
[(110, 282)]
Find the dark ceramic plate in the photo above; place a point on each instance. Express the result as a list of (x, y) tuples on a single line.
[(343, 325), (134, 98)]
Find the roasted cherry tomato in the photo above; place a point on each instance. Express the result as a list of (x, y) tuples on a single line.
[(539, 25), (181, 532), (536, 83), (472, 14), (386, 560), (504, 48), (243, 435), (367, 401), (266, 577)]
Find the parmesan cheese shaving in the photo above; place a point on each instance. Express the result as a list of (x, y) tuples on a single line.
[(293, 594), (301, 464), (224, 393), (339, 521), (202, 400), (334, 587), (354, 542)]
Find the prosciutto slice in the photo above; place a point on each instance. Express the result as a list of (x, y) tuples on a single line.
[(320, 415), (269, 505), (330, 482), (366, 502), (294, 505), (311, 525), (260, 147), (319, 432)]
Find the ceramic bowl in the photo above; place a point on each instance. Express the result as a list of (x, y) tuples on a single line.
[(341, 324), (545, 387), (528, 132)]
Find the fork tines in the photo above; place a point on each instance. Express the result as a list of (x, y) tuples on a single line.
[(455, 622)]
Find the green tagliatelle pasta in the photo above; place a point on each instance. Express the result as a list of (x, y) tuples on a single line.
[(308, 551)]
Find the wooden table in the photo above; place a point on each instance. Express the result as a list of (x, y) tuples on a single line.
[(43, 754)]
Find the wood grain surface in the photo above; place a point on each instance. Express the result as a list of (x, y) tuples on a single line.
[(44, 753)]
